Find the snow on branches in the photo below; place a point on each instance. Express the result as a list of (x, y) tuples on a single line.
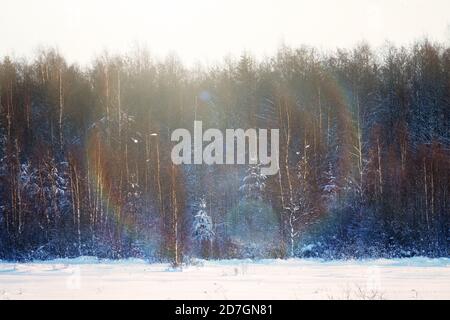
[(202, 225)]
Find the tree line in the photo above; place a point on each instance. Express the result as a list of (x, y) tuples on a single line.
[(85, 164)]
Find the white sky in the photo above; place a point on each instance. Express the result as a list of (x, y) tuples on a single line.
[(208, 30)]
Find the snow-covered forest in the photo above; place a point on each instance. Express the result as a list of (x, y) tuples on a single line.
[(85, 166)]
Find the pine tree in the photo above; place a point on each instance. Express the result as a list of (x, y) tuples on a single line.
[(202, 225)]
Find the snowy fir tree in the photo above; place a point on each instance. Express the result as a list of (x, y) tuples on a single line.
[(203, 230), (252, 224), (330, 188), (253, 184), (202, 225)]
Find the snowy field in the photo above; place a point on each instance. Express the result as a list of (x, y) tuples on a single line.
[(89, 278)]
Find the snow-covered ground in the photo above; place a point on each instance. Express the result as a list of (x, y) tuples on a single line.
[(89, 278)]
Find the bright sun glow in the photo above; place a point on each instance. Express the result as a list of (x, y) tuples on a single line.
[(207, 30)]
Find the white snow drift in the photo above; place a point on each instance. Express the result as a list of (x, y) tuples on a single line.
[(90, 278)]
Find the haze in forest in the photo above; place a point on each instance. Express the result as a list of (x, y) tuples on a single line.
[(206, 31)]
